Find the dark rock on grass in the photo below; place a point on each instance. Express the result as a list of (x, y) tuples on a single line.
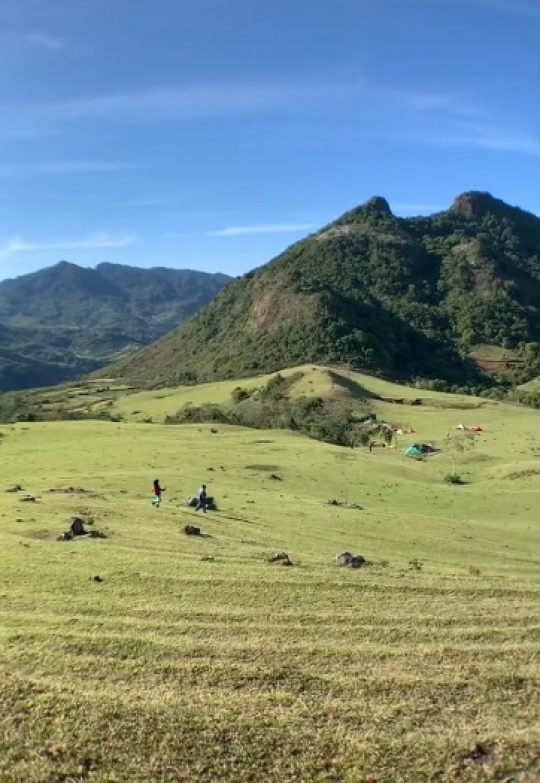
[(479, 754), (346, 559), (280, 558), (208, 559), (275, 477), (27, 499), (67, 536), (97, 578), (339, 503), (191, 530), (16, 488)]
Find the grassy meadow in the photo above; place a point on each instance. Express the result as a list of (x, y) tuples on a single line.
[(195, 659)]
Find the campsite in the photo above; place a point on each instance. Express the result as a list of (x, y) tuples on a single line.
[(143, 653)]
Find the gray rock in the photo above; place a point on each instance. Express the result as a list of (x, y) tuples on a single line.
[(280, 558), (349, 560)]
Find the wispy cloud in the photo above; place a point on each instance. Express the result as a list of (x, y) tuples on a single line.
[(270, 228), (184, 103), (487, 137), (62, 167), (21, 246), (158, 200), (45, 40), (441, 103)]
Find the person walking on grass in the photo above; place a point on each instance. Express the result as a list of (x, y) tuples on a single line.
[(201, 499), (156, 500)]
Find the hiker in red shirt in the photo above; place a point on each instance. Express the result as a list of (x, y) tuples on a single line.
[(156, 500)]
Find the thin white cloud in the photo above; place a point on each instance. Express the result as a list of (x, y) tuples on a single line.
[(492, 139), (271, 228), (45, 40), (21, 246), (61, 167), (185, 103), (153, 201), (437, 103)]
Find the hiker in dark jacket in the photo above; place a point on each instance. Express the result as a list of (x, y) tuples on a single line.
[(201, 499)]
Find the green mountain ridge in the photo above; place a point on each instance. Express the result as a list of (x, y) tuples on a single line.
[(405, 298), (66, 321)]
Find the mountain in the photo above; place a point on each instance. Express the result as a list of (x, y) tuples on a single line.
[(65, 321), (406, 298)]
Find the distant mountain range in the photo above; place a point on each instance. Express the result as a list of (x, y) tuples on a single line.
[(445, 297), (65, 321)]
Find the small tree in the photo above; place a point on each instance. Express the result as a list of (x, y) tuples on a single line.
[(456, 445)]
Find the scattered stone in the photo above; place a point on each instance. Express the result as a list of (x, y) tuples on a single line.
[(208, 559), (274, 477), (16, 488), (349, 560), (27, 499), (210, 470), (73, 491), (65, 536), (480, 754), (280, 558), (191, 530), (97, 578), (334, 502), (213, 431)]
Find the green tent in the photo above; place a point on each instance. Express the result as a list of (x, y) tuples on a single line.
[(419, 450)]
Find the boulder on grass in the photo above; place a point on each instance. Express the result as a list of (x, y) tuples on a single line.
[(349, 560), (280, 558), (191, 530)]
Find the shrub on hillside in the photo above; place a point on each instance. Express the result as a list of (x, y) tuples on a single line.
[(325, 420), (453, 478)]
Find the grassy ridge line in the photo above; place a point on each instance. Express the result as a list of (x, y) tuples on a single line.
[(316, 381)]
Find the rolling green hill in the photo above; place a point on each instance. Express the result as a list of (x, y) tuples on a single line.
[(406, 298), (150, 655), (65, 321)]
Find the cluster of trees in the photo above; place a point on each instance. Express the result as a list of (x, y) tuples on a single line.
[(272, 408)]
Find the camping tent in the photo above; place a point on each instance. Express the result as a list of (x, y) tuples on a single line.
[(420, 450)]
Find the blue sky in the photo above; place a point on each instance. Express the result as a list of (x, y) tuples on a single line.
[(211, 134)]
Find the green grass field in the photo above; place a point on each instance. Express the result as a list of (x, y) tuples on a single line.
[(177, 667)]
